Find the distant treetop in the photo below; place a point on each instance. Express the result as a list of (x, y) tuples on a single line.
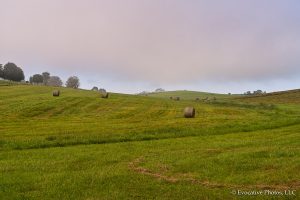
[(1, 71), (12, 72), (159, 90), (54, 81), (36, 78), (46, 77), (73, 82)]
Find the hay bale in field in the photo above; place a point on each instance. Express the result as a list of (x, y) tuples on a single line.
[(56, 93), (95, 88), (189, 112), (171, 98), (104, 95), (197, 99), (177, 98), (101, 90)]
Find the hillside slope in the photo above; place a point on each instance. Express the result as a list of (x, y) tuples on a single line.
[(80, 146), (188, 95), (33, 118), (283, 97)]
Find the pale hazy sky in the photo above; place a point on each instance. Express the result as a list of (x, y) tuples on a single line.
[(134, 45)]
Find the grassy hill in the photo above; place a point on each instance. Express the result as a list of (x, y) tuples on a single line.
[(79, 146), (10, 83), (188, 95), (283, 97)]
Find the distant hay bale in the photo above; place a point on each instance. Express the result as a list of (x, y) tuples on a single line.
[(56, 93), (95, 88), (189, 112), (177, 98), (101, 90), (197, 99), (104, 95)]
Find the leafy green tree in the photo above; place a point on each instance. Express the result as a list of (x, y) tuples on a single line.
[(30, 79), (12, 72), (37, 78), (73, 82), (46, 77), (55, 81), (159, 90), (257, 92), (1, 71)]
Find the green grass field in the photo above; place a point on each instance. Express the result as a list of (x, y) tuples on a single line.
[(79, 146), (189, 95)]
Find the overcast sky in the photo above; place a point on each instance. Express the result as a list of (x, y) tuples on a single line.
[(134, 45)]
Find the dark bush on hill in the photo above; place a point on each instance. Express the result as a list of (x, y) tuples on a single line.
[(12, 72)]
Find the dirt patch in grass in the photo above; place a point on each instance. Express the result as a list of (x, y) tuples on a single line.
[(135, 166)]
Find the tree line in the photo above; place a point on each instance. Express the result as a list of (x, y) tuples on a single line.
[(12, 72), (256, 92)]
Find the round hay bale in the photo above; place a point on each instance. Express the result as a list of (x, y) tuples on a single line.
[(56, 93), (104, 95), (101, 90), (189, 112), (171, 98), (177, 98), (95, 88), (197, 99)]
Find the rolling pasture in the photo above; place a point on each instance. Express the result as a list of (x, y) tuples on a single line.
[(80, 146), (188, 95)]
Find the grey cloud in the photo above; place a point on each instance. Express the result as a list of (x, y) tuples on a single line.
[(161, 42)]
